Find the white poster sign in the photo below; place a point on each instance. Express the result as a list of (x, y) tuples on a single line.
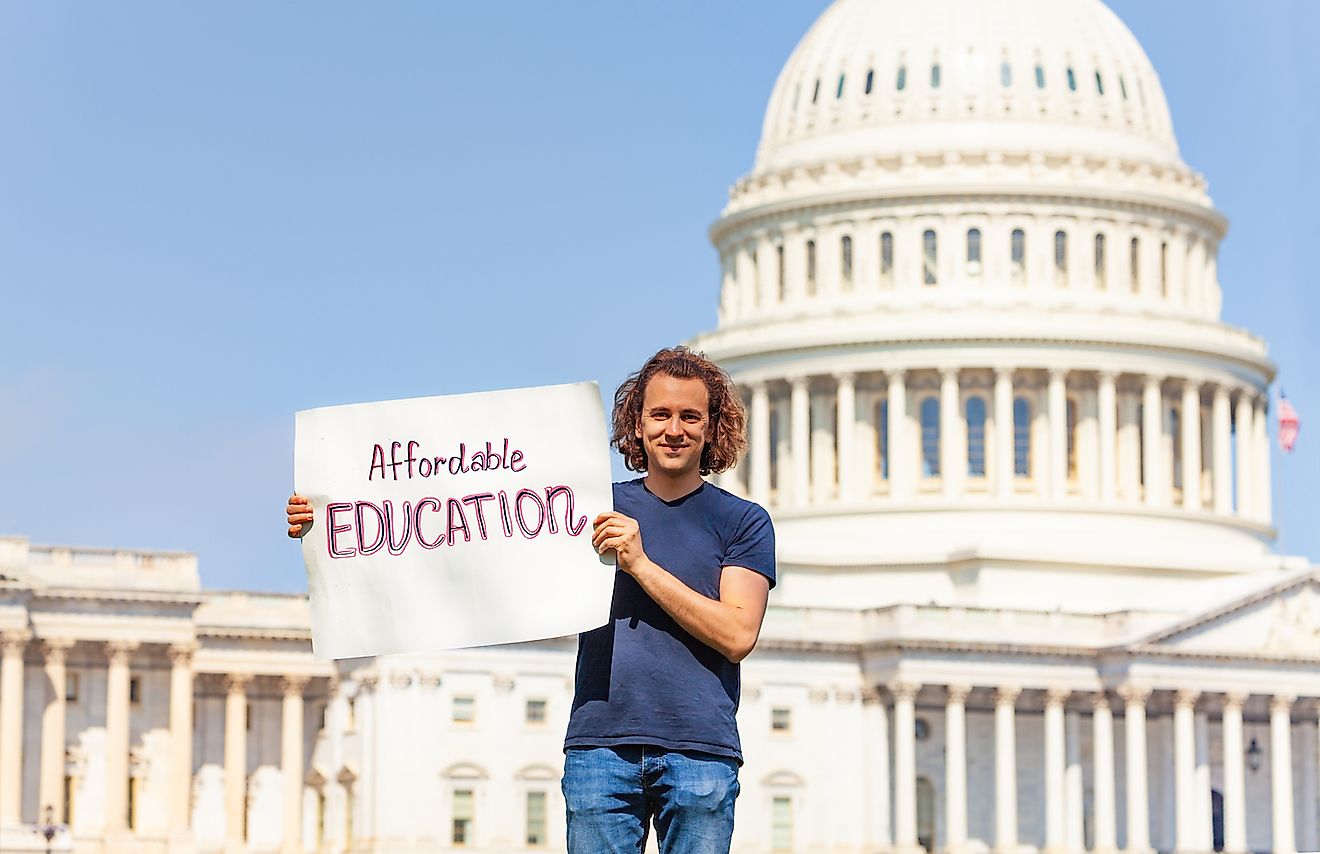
[(456, 521)]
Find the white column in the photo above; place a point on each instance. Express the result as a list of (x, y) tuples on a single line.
[(800, 438), (1107, 406), (1221, 418), (1004, 432), (1309, 787), (767, 270), (1138, 808), (846, 431), (235, 759), (822, 450), (745, 272), (1201, 785), (759, 479), (1263, 501), (877, 738), (1245, 428), (291, 760), (1281, 789), (955, 768), (905, 768), (1152, 442), (902, 464), (1184, 769), (1074, 827), (1191, 445), (53, 716), (1129, 461), (1235, 799), (1106, 827), (953, 453), (116, 735), (12, 644), (1055, 814), (1057, 401), (181, 735), (1006, 812)]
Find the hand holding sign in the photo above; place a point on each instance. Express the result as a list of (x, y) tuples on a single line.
[(452, 521)]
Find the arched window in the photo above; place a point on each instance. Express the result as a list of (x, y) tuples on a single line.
[(1005, 74), (1018, 255), (1134, 264), (1122, 87), (1071, 415), (1021, 437), (976, 436), (882, 437), (1040, 76), (1099, 83), (901, 83), (1100, 271), (870, 80), (1164, 270), (781, 272), (811, 268), (1060, 258), (974, 251), (887, 258), (1072, 80), (929, 257), (930, 437), (935, 76), (846, 261), (815, 93), (838, 93)]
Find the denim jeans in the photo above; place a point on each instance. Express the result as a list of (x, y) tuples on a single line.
[(612, 794)]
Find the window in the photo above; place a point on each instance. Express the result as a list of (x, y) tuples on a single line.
[(1071, 416), (1134, 264), (71, 687), (870, 80), (320, 818), (1018, 255), (921, 729), (930, 437), (781, 827), (780, 271), (935, 76), (135, 690), (781, 719), (463, 817), (1164, 269), (811, 268), (131, 816), (974, 251), (1072, 81), (1099, 83), (1040, 76), (247, 717), (847, 260), (351, 723), (1122, 87), (882, 437), (465, 710), (1100, 274), (1005, 74), (839, 92), (901, 83), (68, 800), (815, 93), (976, 436), (535, 713), (1021, 437), (887, 257), (929, 256), (1141, 443), (536, 824), (1060, 258), (1175, 433)]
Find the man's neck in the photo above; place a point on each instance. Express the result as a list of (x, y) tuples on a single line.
[(668, 488)]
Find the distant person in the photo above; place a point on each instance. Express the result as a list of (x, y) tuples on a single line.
[(652, 736)]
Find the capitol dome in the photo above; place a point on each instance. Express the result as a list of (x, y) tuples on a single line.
[(971, 293)]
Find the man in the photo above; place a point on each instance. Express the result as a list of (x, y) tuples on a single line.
[(652, 735)]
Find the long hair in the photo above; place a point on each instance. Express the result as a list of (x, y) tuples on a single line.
[(727, 426)]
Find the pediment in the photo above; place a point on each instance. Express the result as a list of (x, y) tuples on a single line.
[(1282, 619)]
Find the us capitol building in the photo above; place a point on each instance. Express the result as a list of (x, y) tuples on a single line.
[(1019, 469)]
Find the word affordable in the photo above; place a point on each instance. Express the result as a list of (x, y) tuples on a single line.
[(446, 522)]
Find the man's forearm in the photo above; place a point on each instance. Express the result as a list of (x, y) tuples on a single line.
[(729, 629)]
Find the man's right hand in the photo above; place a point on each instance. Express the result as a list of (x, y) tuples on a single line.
[(299, 512)]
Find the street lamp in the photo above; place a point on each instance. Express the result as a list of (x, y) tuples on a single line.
[(1253, 755)]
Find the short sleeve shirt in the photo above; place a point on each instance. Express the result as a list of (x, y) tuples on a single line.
[(642, 679)]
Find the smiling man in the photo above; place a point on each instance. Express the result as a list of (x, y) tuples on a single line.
[(652, 735)]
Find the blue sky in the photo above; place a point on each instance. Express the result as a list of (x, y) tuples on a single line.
[(213, 215)]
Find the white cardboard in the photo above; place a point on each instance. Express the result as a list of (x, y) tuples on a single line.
[(528, 578)]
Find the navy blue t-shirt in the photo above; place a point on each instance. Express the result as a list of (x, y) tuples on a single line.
[(642, 679)]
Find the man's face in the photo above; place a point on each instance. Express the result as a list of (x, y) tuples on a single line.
[(675, 423)]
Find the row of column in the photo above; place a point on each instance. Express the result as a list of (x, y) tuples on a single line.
[(53, 743), (1114, 460), (1063, 781)]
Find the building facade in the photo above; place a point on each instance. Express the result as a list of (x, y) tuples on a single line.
[(1019, 470)]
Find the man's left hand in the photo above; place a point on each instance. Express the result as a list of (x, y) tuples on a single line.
[(616, 531)]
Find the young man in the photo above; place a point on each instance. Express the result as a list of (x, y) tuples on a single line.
[(652, 735)]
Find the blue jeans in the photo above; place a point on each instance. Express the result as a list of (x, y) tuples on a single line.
[(613, 793)]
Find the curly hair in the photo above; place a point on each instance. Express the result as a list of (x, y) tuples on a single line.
[(728, 418)]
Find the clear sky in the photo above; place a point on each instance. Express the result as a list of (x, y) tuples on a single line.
[(213, 215)]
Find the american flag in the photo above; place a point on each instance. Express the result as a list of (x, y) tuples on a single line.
[(1289, 424)]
